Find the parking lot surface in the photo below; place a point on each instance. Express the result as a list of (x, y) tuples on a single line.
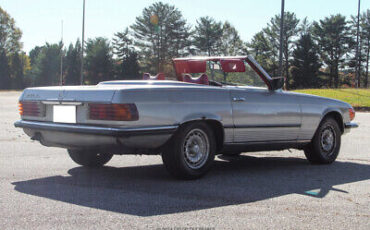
[(41, 188)]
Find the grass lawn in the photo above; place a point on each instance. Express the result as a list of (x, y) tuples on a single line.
[(355, 97)]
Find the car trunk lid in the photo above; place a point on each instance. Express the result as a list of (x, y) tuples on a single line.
[(69, 94)]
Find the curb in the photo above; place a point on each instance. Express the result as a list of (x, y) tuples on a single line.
[(362, 108)]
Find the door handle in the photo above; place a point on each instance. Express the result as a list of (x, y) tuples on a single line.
[(238, 98)]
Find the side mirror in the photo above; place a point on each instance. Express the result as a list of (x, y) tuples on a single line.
[(277, 83)]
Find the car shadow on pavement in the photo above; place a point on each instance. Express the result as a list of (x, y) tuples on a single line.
[(149, 190)]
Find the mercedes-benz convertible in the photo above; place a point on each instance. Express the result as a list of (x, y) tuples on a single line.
[(218, 105)]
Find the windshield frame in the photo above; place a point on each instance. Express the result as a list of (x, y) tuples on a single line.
[(180, 65)]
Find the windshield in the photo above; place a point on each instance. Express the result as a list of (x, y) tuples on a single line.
[(247, 78)]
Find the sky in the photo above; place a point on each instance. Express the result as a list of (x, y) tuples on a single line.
[(41, 20)]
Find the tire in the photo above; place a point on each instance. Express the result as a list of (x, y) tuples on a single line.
[(89, 158), (190, 152), (325, 145)]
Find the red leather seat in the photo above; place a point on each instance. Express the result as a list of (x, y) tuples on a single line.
[(203, 79), (159, 76)]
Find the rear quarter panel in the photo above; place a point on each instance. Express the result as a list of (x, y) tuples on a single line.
[(178, 105)]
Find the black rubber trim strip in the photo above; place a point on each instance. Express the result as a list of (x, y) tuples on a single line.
[(268, 142), (264, 126), (97, 130)]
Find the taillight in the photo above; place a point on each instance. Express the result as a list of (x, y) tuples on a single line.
[(113, 112), (352, 113), (31, 108)]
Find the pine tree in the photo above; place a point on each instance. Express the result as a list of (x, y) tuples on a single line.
[(17, 71), (365, 28), (46, 69), (4, 70), (263, 51), (122, 44), (99, 60), (207, 36), (73, 64), (160, 34), (127, 66), (231, 43), (332, 34), (291, 30), (305, 64)]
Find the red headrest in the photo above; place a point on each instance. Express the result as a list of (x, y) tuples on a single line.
[(159, 76), (203, 79), (232, 65)]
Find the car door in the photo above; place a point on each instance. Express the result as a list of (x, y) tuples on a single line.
[(261, 115)]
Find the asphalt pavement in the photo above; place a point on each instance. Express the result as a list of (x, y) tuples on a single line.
[(42, 188)]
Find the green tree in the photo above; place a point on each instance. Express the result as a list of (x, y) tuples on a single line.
[(5, 82), (332, 34), (17, 71), (34, 53), (365, 28), (26, 66), (207, 36), (160, 34), (46, 69), (291, 30), (10, 35), (305, 27), (99, 60), (127, 66), (122, 44), (73, 64), (355, 62), (30, 78), (19, 66), (231, 43), (305, 64), (10, 46), (263, 51)]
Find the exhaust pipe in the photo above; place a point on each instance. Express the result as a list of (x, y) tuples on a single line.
[(36, 137)]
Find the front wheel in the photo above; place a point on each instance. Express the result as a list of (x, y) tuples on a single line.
[(190, 152), (325, 145), (89, 158)]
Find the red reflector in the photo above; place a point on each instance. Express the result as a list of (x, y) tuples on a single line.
[(352, 113), (30, 108), (20, 107), (113, 112)]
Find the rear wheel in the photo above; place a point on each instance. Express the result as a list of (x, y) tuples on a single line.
[(325, 145), (89, 158), (190, 152)]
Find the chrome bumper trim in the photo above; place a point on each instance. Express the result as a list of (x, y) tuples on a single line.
[(350, 125), (97, 130)]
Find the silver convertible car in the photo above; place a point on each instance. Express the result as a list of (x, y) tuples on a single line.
[(187, 121)]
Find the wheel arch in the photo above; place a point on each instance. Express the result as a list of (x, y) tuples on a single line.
[(215, 125), (336, 115)]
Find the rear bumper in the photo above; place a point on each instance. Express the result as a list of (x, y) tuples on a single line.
[(98, 130), (87, 136), (349, 125)]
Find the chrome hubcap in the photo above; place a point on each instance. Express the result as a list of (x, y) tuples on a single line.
[(196, 149), (328, 139)]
